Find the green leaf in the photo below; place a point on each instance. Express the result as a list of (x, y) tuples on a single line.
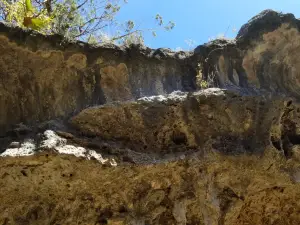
[(170, 26), (108, 6), (159, 19), (130, 25), (29, 7), (38, 24)]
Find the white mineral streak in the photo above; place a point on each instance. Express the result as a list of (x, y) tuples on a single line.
[(176, 96), (27, 148), (54, 142)]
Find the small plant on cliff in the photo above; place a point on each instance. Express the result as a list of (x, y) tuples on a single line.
[(87, 20), (201, 81)]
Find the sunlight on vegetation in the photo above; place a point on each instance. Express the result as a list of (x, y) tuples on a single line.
[(85, 20), (203, 82)]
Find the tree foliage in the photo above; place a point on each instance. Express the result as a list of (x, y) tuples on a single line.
[(86, 20)]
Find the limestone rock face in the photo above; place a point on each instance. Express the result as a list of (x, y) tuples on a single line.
[(62, 189), (212, 118), (262, 59), (128, 136), (217, 119), (43, 78)]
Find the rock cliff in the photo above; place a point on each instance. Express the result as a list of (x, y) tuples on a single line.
[(126, 135), (43, 77)]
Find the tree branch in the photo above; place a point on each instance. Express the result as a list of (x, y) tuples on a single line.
[(125, 35)]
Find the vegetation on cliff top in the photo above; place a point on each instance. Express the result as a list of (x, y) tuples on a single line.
[(86, 20)]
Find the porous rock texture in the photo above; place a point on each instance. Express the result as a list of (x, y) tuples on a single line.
[(43, 77), (213, 118), (126, 135)]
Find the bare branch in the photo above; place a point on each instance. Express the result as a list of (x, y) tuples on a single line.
[(125, 35)]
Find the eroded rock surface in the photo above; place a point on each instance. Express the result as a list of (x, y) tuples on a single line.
[(51, 141), (43, 77), (262, 59), (115, 135), (224, 120), (61, 189)]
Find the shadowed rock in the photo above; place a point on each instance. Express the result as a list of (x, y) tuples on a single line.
[(45, 77), (169, 153), (211, 119)]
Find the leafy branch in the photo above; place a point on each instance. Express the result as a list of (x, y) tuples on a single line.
[(74, 19)]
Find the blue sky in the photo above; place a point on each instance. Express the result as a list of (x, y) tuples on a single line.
[(198, 20)]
